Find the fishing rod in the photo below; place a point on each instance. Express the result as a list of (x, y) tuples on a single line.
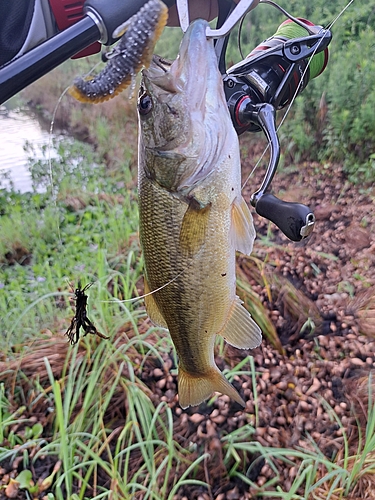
[(81, 25)]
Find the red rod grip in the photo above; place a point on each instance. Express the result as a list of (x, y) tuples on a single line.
[(68, 12)]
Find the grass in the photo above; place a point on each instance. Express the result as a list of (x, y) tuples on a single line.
[(82, 411), (89, 449), (77, 233), (350, 474), (104, 421), (101, 419)]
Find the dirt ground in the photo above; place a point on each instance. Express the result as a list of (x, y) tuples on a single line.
[(323, 285)]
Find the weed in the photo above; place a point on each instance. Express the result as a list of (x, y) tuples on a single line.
[(348, 474)]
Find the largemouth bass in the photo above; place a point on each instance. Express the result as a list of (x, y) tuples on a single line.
[(192, 215)]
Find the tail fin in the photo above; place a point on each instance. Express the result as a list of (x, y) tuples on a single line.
[(193, 390)]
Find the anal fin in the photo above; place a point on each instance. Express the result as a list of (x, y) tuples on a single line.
[(240, 330), (193, 390), (152, 308), (242, 229)]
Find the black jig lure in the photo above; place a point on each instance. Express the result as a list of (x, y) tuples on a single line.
[(80, 318), (134, 50)]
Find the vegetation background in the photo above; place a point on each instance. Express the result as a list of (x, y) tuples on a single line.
[(80, 422)]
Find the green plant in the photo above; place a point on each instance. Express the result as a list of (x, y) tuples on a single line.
[(350, 473)]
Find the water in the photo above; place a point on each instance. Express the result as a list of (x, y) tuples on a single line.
[(17, 127)]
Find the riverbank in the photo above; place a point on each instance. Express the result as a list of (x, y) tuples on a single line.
[(111, 127)]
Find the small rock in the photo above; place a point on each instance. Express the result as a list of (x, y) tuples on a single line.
[(196, 418), (314, 388), (357, 362)]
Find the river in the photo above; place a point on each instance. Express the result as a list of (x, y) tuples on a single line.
[(17, 127)]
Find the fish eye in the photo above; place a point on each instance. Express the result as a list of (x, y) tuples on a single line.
[(145, 104)]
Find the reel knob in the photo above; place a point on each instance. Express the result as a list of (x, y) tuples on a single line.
[(295, 220)]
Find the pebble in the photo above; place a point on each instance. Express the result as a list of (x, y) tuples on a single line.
[(357, 362), (305, 406), (196, 418), (160, 384), (220, 419), (309, 426), (315, 386), (233, 494), (275, 374), (261, 480), (282, 386)]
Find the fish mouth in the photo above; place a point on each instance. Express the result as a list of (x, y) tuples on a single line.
[(195, 70), (192, 117)]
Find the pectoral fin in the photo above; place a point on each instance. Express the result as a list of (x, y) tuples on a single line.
[(242, 229), (152, 308), (193, 390), (194, 227), (240, 330)]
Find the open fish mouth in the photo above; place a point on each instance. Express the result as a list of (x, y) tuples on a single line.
[(194, 72)]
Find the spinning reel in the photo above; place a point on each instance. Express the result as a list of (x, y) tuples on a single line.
[(266, 81)]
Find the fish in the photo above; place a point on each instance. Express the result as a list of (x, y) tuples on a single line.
[(192, 216)]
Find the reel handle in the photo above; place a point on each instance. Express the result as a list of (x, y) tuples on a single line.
[(295, 220)]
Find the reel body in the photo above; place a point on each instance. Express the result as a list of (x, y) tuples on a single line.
[(268, 80)]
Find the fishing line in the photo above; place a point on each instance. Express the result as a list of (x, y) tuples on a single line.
[(296, 93), (50, 139), (239, 43), (134, 299), (50, 172), (340, 14)]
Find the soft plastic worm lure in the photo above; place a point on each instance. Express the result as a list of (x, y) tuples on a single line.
[(134, 50)]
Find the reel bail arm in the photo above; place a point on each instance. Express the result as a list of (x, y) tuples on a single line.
[(295, 220)]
